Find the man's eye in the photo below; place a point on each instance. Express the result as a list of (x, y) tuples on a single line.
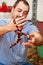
[(25, 14), (19, 10)]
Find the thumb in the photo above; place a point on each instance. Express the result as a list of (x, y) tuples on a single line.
[(27, 44)]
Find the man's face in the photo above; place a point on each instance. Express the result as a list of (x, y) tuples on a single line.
[(21, 10)]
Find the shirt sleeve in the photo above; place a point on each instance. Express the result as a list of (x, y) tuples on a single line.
[(32, 28), (3, 22)]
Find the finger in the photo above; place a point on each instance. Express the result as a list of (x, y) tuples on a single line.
[(21, 21), (19, 18), (22, 24), (12, 21), (32, 40), (27, 44)]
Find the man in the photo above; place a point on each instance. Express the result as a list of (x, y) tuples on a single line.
[(16, 55)]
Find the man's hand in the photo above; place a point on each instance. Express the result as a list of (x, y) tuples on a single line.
[(12, 26), (20, 22), (35, 39), (30, 41)]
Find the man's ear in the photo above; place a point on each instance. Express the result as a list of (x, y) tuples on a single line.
[(12, 9), (12, 12)]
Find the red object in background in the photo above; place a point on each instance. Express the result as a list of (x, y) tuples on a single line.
[(9, 8), (5, 8), (40, 27), (0, 9)]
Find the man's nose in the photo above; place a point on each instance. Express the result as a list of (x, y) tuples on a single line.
[(21, 14)]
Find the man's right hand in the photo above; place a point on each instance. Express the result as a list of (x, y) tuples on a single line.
[(20, 22), (12, 26)]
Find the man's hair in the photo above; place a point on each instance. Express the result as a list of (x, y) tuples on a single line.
[(24, 1)]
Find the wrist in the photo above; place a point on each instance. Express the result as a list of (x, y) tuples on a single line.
[(8, 28), (11, 27)]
